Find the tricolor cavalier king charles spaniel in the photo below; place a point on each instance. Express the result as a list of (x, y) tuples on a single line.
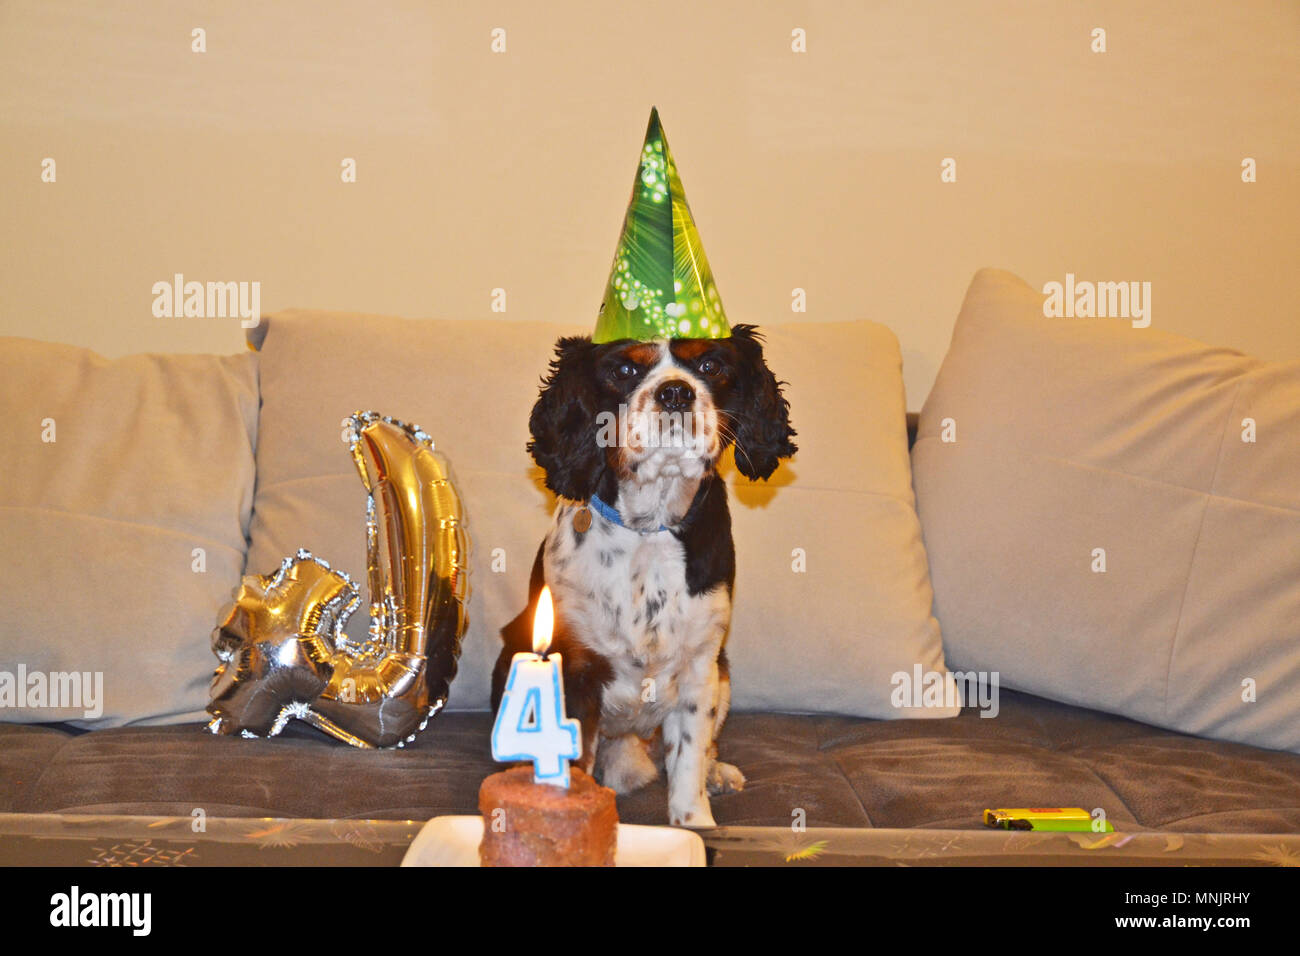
[(639, 558)]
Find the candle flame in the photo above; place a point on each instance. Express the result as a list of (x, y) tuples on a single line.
[(543, 622)]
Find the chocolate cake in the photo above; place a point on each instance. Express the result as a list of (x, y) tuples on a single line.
[(543, 825)]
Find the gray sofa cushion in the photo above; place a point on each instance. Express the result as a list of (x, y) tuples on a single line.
[(840, 771), (25, 751), (1114, 521), (127, 491)]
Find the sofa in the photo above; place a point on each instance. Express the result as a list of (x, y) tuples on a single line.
[(817, 727)]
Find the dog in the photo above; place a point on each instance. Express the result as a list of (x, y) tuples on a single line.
[(639, 558)]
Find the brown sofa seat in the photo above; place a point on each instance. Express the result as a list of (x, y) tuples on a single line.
[(838, 771)]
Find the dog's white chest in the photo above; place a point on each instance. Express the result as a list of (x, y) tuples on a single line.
[(625, 596)]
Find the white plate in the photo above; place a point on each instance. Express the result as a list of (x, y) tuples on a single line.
[(453, 841)]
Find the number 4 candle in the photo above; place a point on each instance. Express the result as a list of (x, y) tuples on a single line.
[(530, 723)]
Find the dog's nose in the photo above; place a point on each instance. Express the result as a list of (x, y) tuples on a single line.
[(675, 395)]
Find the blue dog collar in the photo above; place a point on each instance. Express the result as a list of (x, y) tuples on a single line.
[(611, 515)]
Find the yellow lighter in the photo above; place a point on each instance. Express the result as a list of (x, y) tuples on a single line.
[(1047, 818)]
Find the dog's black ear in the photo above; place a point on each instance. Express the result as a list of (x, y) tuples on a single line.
[(762, 421), (563, 422)]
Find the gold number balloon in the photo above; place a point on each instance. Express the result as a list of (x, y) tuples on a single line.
[(281, 643)]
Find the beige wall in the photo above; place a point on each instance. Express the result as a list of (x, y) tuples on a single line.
[(481, 170)]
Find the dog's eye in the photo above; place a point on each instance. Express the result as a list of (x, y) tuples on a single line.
[(710, 367), (626, 371)]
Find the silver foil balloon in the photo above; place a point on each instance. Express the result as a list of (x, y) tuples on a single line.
[(281, 643)]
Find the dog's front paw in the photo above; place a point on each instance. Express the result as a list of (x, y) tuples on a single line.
[(625, 764), (724, 778), (699, 815)]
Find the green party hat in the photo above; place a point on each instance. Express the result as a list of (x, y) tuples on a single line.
[(660, 285)]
